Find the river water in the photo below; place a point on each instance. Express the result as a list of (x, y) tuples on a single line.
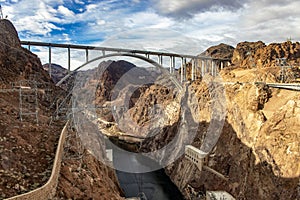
[(156, 185)]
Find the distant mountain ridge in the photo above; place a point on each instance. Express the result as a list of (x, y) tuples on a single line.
[(57, 71)]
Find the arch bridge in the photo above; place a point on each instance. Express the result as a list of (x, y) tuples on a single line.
[(200, 65)]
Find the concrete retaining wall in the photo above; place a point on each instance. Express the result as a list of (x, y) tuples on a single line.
[(48, 190)]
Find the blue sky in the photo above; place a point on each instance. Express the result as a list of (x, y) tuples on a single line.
[(182, 26)]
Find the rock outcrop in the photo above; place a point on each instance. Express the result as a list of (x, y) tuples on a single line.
[(221, 51), (258, 54), (17, 63), (8, 34), (244, 52)]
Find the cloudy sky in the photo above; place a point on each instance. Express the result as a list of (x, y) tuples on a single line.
[(182, 26)]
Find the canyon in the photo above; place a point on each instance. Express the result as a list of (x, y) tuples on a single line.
[(255, 127)]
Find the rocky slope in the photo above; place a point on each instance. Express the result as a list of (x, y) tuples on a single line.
[(83, 176), (27, 149)]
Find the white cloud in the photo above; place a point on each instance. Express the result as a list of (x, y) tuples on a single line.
[(187, 8), (270, 20), (65, 11), (100, 22), (36, 18), (79, 2), (155, 39), (141, 19), (66, 38), (91, 7)]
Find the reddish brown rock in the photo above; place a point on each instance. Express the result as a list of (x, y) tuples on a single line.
[(257, 54), (221, 51), (243, 55)]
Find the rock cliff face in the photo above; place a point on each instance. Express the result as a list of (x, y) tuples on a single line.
[(244, 53), (258, 54), (114, 70), (257, 150), (221, 51), (9, 34), (17, 63)]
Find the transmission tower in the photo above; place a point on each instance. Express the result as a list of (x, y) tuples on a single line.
[(28, 100), (284, 75)]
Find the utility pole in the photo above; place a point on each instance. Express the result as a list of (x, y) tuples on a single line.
[(1, 13)]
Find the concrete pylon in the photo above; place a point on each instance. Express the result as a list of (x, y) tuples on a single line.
[(202, 67), (182, 71), (50, 61), (86, 55), (172, 65)]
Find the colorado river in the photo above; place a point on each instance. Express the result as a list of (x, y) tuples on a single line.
[(155, 185)]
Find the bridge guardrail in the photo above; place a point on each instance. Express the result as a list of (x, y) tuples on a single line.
[(48, 190)]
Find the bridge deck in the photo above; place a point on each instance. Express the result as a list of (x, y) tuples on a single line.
[(110, 49)]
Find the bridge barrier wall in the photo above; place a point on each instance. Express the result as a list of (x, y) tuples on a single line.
[(48, 190)]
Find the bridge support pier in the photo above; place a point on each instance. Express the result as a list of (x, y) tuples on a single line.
[(213, 68), (160, 60), (193, 69), (69, 59), (202, 67), (172, 65), (208, 66), (86, 55), (183, 70), (49, 67)]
